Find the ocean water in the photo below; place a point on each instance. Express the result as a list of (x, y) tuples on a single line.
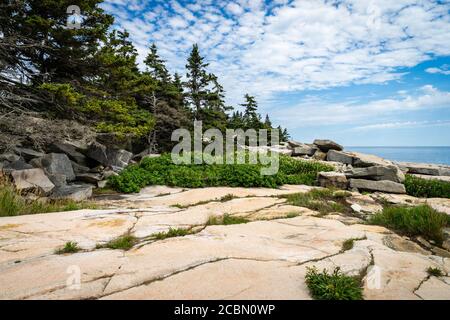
[(440, 155)]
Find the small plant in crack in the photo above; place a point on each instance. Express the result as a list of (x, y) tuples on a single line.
[(292, 215), (226, 220), (69, 247), (171, 233), (324, 201), (435, 272), (350, 243), (121, 243), (333, 286)]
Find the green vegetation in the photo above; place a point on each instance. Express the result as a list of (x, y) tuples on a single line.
[(414, 221), (171, 233), (435, 272), (162, 171), (334, 286), (418, 187), (13, 204), (121, 243), (69, 247), (226, 220), (324, 201)]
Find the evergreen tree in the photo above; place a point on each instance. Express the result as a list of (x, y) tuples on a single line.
[(251, 116), (267, 122), (156, 65)]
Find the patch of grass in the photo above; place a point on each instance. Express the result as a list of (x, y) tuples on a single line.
[(292, 215), (324, 201), (121, 243), (226, 220), (171, 233), (103, 191), (418, 187), (435, 272), (162, 171), (69, 247), (413, 221), (14, 204), (350, 243), (334, 286)]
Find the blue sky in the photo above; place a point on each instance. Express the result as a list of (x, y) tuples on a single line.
[(361, 72)]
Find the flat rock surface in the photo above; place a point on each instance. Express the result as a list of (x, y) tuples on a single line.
[(266, 258)]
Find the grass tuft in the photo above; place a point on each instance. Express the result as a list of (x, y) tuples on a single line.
[(414, 221), (435, 272), (226, 220), (121, 243), (334, 286), (69, 247), (171, 233), (324, 201)]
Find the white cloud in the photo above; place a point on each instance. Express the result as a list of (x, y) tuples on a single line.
[(315, 111), (402, 124), (444, 69), (294, 45)]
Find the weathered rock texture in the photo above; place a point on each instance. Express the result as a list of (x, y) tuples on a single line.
[(263, 259)]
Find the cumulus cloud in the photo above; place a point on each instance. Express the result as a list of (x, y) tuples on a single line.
[(314, 111), (278, 46), (445, 69)]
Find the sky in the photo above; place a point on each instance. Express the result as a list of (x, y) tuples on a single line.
[(360, 72)]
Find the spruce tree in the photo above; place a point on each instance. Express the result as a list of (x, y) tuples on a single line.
[(197, 81), (156, 65)]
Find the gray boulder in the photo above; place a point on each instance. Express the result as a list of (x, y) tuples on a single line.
[(10, 157), (339, 156), (368, 160), (77, 168), (72, 192), (109, 156), (31, 180), (425, 168), (382, 186), (18, 165), (58, 179), (56, 164), (89, 177), (28, 154), (319, 155), (332, 179), (303, 150), (391, 173), (70, 150), (326, 145)]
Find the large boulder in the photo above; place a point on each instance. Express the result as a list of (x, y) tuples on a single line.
[(339, 156), (332, 179), (117, 158), (56, 164), (326, 145), (301, 149), (92, 178), (28, 154), (31, 180), (70, 150), (10, 157), (368, 160), (72, 192), (18, 165), (382, 186), (391, 173), (425, 168), (319, 155)]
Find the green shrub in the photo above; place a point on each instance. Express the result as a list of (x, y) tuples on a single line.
[(121, 243), (13, 204), (162, 171), (334, 286), (69, 247), (322, 200), (414, 221), (418, 187)]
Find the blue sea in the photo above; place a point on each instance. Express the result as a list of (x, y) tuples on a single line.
[(440, 155)]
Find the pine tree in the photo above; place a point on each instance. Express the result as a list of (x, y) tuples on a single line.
[(267, 122), (197, 81), (156, 65), (251, 116)]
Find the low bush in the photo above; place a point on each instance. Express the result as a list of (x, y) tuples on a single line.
[(334, 286), (162, 171), (418, 187), (226, 220), (13, 204), (171, 233), (413, 221)]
